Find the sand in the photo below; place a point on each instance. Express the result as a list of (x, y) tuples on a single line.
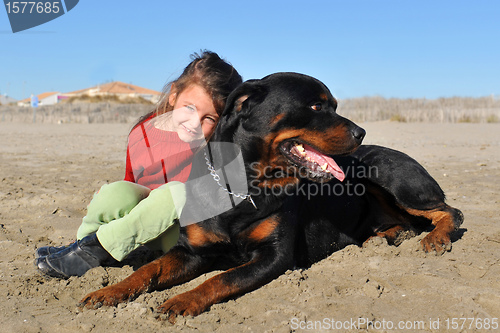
[(49, 173)]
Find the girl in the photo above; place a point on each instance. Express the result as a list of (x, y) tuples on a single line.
[(145, 206)]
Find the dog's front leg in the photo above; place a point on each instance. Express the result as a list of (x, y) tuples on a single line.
[(175, 267), (266, 266)]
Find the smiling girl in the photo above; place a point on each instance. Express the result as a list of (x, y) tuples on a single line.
[(144, 208)]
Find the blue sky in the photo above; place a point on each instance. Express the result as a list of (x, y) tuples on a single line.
[(390, 48)]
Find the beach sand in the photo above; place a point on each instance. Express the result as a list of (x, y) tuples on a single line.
[(49, 172)]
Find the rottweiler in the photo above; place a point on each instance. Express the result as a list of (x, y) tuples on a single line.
[(312, 189)]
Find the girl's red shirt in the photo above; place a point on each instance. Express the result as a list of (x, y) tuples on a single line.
[(155, 156)]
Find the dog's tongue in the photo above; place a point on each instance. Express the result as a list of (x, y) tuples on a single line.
[(321, 159)]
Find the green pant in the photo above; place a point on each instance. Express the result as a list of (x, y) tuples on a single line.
[(126, 215)]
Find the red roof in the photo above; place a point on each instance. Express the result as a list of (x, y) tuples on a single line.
[(117, 87)]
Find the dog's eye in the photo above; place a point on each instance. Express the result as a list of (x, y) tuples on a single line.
[(317, 107)]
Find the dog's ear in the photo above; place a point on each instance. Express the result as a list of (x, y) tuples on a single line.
[(239, 104), (244, 98)]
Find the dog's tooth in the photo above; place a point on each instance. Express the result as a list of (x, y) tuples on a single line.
[(301, 149), (324, 167)]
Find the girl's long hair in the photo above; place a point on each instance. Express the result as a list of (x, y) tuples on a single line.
[(208, 70)]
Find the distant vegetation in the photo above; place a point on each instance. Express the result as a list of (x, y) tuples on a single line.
[(76, 112), (114, 110), (106, 99), (442, 110)]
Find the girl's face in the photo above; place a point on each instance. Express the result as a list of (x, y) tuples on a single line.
[(194, 116)]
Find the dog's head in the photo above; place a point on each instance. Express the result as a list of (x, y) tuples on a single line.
[(287, 128)]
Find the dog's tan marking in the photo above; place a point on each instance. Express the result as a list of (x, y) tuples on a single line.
[(214, 290), (277, 118), (263, 230), (198, 236), (438, 239)]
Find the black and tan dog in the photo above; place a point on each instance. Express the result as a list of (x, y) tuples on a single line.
[(314, 190)]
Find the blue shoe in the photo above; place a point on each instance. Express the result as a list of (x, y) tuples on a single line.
[(74, 260), (48, 250)]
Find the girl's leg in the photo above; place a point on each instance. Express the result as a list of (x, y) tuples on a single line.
[(151, 218), (112, 202)]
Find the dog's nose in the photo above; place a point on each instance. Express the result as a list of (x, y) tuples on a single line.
[(358, 133)]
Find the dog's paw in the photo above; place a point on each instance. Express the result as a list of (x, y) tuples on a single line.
[(108, 296), (184, 305), (435, 241)]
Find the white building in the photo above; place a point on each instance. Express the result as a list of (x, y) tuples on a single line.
[(47, 98)]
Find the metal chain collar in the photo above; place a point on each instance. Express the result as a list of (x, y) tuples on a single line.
[(217, 180)]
